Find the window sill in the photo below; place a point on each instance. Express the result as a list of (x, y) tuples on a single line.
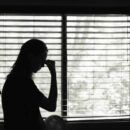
[(98, 124)]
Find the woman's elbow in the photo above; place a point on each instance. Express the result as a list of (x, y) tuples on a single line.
[(52, 108)]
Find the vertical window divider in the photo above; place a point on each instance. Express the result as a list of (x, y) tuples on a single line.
[(64, 67), (128, 60)]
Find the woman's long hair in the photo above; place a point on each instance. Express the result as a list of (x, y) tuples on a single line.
[(33, 46)]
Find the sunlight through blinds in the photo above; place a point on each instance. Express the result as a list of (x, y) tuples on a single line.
[(98, 72), (17, 29)]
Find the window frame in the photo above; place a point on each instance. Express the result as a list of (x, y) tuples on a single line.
[(29, 10)]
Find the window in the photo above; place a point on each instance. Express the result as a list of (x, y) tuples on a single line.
[(15, 30), (92, 60), (98, 66)]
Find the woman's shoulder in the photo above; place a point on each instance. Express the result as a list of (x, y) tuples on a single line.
[(16, 79)]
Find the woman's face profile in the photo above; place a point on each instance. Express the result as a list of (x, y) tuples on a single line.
[(36, 62)]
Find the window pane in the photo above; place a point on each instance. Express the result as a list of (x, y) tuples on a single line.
[(17, 29), (98, 66)]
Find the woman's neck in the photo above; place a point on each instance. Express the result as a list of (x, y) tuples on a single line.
[(22, 72)]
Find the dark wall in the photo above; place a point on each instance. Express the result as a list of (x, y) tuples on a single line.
[(108, 3), (92, 6)]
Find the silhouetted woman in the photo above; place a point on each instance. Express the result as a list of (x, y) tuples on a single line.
[(21, 98)]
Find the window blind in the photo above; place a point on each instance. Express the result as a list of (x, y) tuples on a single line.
[(98, 71), (91, 54), (17, 29)]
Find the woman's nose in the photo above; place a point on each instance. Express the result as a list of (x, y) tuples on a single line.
[(43, 63)]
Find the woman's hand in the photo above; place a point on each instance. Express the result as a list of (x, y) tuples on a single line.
[(51, 65)]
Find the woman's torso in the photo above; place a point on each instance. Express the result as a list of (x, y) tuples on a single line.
[(19, 105)]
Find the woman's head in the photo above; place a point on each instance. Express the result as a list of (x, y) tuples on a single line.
[(32, 56)]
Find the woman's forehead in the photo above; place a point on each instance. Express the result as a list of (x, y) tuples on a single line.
[(44, 53)]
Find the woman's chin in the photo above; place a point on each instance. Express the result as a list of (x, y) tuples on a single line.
[(36, 70)]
